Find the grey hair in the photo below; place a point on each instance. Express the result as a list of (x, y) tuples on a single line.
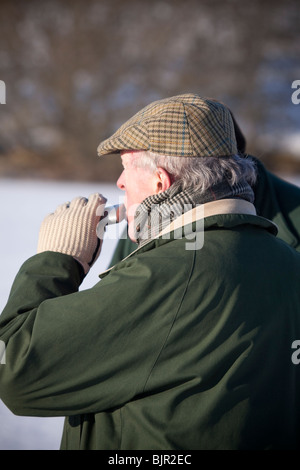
[(200, 173)]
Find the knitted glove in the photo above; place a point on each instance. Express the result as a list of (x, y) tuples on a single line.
[(71, 229)]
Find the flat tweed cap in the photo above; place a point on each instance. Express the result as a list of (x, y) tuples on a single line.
[(182, 126)]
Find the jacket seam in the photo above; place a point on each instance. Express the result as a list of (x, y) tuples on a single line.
[(173, 322)]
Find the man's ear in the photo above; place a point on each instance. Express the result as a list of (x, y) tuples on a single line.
[(163, 180)]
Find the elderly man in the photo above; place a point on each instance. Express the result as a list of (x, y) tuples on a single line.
[(190, 342)]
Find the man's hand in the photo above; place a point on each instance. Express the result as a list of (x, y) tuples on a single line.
[(71, 229)]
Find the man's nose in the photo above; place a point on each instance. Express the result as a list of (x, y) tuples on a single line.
[(120, 182)]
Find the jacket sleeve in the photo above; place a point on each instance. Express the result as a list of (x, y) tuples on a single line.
[(70, 351)]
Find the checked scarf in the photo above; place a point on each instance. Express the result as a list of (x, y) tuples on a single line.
[(158, 211)]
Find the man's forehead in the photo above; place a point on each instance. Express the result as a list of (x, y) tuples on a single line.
[(128, 155)]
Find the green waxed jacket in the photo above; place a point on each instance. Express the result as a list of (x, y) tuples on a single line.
[(173, 349)]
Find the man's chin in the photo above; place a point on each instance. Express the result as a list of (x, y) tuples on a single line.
[(132, 233)]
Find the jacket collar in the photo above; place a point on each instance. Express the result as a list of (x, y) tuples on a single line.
[(221, 206)]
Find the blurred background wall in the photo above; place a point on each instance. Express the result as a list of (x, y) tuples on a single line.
[(76, 69)]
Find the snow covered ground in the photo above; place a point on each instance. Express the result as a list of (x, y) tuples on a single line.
[(23, 205)]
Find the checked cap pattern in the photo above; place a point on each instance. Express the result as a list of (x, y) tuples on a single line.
[(181, 126)]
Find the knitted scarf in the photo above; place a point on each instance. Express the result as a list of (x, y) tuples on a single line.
[(158, 211)]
